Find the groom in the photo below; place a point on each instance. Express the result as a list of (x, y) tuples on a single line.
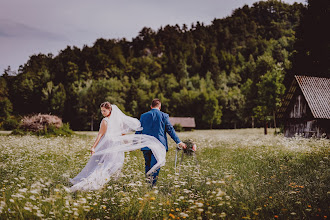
[(156, 123)]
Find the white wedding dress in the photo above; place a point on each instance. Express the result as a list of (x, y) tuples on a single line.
[(109, 155)]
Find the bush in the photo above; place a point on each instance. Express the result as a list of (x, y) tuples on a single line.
[(36, 123), (10, 124), (51, 130), (43, 125), (18, 131), (178, 127)]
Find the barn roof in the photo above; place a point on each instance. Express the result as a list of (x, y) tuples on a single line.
[(316, 92), (186, 122)]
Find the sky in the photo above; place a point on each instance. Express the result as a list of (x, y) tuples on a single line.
[(29, 27)]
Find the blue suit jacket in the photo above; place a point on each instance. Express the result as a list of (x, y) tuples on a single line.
[(156, 123)]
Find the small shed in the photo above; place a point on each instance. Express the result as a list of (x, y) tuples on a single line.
[(305, 109), (185, 122)]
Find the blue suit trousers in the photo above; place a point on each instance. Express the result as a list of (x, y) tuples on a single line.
[(150, 161)]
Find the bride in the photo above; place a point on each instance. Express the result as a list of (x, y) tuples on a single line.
[(109, 147)]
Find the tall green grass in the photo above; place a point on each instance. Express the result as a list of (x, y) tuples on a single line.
[(240, 174)]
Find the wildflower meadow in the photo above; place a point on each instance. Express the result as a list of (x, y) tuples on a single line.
[(238, 174)]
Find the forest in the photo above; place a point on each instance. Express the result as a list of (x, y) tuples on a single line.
[(229, 74)]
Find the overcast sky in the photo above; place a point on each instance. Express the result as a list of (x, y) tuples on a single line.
[(30, 27)]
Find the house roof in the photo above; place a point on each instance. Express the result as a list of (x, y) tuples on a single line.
[(186, 122), (316, 92)]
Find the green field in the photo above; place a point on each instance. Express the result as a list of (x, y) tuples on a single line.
[(241, 174)]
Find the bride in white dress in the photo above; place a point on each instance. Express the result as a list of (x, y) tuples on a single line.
[(109, 147)]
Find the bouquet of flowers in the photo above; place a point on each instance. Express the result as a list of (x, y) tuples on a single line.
[(191, 147)]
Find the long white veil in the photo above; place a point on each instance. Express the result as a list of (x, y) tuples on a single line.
[(108, 158)]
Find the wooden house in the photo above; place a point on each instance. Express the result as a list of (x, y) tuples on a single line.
[(185, 122), (305, 109)]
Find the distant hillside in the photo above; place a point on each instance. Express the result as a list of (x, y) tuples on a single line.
[(223, 74)]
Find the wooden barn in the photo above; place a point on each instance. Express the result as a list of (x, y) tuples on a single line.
[(305, 109), (185, 122)]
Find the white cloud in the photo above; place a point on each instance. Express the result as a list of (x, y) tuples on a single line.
[(12, 29)]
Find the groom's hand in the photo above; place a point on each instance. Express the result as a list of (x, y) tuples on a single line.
[(182, 145)]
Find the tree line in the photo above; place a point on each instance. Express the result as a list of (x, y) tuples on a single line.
[(229, 74)]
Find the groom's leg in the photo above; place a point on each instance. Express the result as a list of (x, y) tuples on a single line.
[(147, 158), (154, 174)]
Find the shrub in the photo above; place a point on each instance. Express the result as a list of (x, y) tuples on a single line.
[(178, 127), (39, 122), (18, 131), (42, 124), (51, 130), (10, 124)]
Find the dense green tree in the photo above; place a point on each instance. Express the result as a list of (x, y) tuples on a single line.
[(92, 93), (53, 98), (6, 109), (312, 47), (212, 111), (270, 91), (219, 73)]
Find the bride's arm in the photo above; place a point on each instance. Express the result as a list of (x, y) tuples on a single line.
[(103, 129)]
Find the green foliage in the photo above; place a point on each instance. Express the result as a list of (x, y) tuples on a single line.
[(7, 121), (18, 131), (52, 131), (178, 128), (211, 110), (10, 123), (48, 131), (311, 56), (54, 98), (219, 73), (6, 108), (270, 91)]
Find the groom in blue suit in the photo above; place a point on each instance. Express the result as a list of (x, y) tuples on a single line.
[(156, 123)]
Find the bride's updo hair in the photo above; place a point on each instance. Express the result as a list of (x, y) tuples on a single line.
[(106, 105)]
